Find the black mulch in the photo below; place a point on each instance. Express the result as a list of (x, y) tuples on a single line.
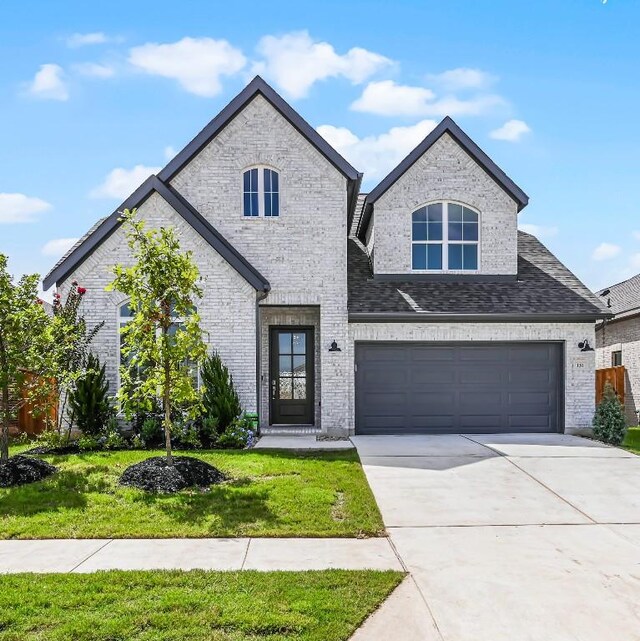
[(43, 450), (20, 469), (155, 475)]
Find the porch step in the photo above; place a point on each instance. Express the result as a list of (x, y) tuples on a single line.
[(289, 430)]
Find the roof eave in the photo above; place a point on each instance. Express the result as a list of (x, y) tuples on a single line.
[(420, 317)]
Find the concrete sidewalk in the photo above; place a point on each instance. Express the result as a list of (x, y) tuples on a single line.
[(91, 555)]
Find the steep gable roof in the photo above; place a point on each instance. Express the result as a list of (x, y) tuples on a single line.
[(623, 297), (104, 228), (259, 87), (447, 125)]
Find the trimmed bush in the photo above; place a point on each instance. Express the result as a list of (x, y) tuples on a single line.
[(219, 397), (609, 424)]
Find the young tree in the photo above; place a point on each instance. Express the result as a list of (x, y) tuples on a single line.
[(23, 339), (159, 353)]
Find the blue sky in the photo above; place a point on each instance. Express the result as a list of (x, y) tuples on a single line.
[(93, 97)]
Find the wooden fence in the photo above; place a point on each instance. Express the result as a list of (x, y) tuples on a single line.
[(28, 419), (613, 375)]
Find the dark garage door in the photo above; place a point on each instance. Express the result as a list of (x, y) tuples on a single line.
[(458, 387)]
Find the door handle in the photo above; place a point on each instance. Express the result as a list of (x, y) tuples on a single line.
[(274, 387)]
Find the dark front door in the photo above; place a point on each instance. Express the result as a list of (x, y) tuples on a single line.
[(291, 380)]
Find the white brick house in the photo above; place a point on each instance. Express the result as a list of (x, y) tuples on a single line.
[(416, 308), (618, 339)]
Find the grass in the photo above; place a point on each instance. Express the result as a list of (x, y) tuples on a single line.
[(270, 493), (190, 606), (632, 440)]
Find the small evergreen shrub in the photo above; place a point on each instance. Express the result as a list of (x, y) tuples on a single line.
[(219, 398), (609, 424), (89, 400)]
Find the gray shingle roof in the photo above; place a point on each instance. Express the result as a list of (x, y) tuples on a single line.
[(624, 296), (544, 288)]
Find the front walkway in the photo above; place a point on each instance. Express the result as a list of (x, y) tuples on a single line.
[(91, 555), (508, 537)]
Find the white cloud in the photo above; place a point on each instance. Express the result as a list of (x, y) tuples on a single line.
[(58, 246), (512, 131), (386, 98), (295, 62), (94, 70), (539, 231), (121, 183), (463, 78), (606, 251), (376, 155), (83, 39), (49, 83), (18, 208), (196, 63), (169, 152)]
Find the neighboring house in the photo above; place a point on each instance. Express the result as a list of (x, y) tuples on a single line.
[(416, 308), (618, 339)]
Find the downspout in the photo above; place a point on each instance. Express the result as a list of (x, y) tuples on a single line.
[(260, 297)]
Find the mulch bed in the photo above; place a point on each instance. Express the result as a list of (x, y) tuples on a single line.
[(155, 475), (19, 470)]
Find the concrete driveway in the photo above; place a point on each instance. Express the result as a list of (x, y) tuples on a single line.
[(514, 537)]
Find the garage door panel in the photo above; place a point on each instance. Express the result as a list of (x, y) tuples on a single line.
[(458, 387)]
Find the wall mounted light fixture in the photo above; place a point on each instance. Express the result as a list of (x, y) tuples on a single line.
[(584, 346), (334, 347)]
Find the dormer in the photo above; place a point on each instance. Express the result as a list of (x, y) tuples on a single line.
[(447, 211)]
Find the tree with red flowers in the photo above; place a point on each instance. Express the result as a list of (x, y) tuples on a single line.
[(70, 339), (24, 337)]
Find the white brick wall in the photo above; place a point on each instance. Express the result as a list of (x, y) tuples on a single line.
[(227, 308), (445, 172), (303, 252), (579, 366), (623, 335)]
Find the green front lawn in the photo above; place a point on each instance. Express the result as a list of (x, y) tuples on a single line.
[(194, 606), (270, 493), (632, 440)]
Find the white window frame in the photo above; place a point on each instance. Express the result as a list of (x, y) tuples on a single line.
[(121, 322), (261, 192), (445, 239)]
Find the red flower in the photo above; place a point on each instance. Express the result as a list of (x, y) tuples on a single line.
[(82, 290), (39, 301)]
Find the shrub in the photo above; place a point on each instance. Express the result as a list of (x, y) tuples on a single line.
[(609, 424), (89, 400), (151, 432), (238, 435), (219, 397)]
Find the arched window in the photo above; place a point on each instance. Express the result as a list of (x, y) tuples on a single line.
[(444, 236), (261, 192), (125, 315)]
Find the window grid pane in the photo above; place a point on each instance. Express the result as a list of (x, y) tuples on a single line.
[(250, 183), (271, 194)]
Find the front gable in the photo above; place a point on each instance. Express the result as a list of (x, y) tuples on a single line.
[(448, 168)]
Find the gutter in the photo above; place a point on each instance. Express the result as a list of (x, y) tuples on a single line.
[(420, 317)]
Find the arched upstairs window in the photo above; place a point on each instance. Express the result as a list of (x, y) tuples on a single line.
[(261, 192), (445, 236)]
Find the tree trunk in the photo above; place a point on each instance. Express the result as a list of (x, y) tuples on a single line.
[(4, 439), (167, 399)]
